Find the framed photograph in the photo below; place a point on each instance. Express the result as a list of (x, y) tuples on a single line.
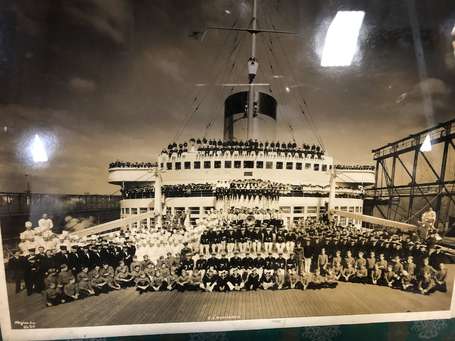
[(183, 166)]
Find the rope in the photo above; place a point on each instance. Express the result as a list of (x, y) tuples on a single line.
[(198, 105), (268, 61), (303, 111), (218, 92), (269, 52), (273, 55)]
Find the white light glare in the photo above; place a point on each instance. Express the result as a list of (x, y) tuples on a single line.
[(38, 150), (227, 11), (426, 145), (341, 39), (288, 89)]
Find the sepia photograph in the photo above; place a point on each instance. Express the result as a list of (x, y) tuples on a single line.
[(173, 166)]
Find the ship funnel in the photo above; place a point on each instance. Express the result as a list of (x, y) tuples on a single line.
[(263, 120)]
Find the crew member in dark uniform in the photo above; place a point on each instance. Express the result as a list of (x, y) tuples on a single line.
[(62, 256), (201, 263), (16, 268), (32, 275), (235, 262), (187, 264), (235, 281), (74, 262), (253, 280), (212, 262), (222, 281), (223, 263), (270, 262)]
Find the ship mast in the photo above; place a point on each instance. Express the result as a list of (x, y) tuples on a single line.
[(252, 64), (251, 92)]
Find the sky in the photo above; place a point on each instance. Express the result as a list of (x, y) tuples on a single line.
[(101, 81)]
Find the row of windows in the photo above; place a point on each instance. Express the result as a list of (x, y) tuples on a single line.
[(284, 209), (193, 210), (341, 220), (314, 209), (245, 164), (300, 209)]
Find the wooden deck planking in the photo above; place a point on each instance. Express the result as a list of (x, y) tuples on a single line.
[(127, 306)]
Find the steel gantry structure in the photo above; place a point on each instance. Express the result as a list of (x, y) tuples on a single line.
[(399, 192)]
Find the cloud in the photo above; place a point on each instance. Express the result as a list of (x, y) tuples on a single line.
[(82, 86), (74, 166), (109, 18), (168, 61)]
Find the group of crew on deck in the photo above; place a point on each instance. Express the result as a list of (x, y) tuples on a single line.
[(131, 164), (229, 251), (245, 188), (355, 167), (211, 147), (180, 190), (251, 188)]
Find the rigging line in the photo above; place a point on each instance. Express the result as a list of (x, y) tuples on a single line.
[(219, 92), (207, 127), (231, 59), (240, 46), (268, 57), (313, 123), (219, 67), (288, 124), (225, 43), (296, 100), (292, 133), (196, 109), (227, 61), (299, 99), (287, 59)]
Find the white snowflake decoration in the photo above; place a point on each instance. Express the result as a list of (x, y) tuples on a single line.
[(428, 329), (321, 333), (208, 337)]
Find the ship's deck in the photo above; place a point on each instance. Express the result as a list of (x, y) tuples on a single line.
[(128, 307)]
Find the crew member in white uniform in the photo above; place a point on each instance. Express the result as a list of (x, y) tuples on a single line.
[(429, 218), (45, 223), (427, 223), (28, 234), (187, 222)]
